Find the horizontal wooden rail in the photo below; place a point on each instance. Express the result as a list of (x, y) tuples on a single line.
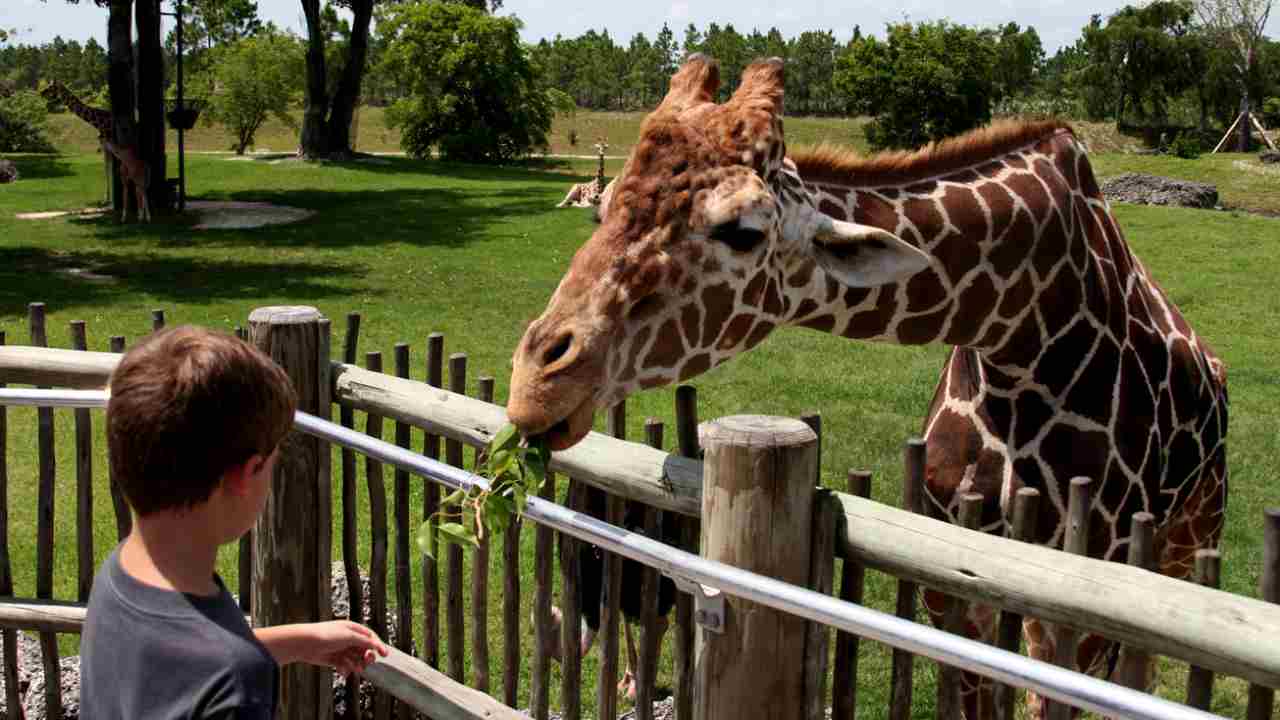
[(54, 616), (1212, 629), (629, 470), (51, 367)]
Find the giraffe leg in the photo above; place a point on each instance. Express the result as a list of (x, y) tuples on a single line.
[(977, 694)]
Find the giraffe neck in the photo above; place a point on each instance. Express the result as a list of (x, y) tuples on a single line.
[(1012, 261), (97, 117)]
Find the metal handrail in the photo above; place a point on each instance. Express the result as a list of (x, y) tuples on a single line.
[(1083, 691)]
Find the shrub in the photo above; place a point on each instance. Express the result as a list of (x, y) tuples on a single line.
[(923, 83), (1186, 146), (473, 92), (1271, 112), (24, 123), (253, 79)]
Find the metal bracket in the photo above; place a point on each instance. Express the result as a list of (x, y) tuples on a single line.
[(708, 603)]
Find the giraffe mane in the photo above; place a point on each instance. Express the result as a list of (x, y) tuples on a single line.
[(845, 166)]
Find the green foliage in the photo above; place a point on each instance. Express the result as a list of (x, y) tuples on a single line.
[(1139, 59), (23, 123), (1019, 59), (1185, 146), (514, 471), (472, 89), (251, 80), (1271, 112), (923, 83)]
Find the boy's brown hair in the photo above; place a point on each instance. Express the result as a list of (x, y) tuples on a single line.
[(187, 404)]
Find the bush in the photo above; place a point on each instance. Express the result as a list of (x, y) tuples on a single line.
[(24, 123), (251, 80), (473, 92), (1185, 146), (1271, 112), (923, 83)]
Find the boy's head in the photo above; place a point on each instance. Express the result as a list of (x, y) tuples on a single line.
[(187, 405)]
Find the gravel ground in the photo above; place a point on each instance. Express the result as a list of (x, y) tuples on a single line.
[(1155, 190)]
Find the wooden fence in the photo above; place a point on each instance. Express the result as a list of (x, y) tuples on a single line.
[(847, 534)]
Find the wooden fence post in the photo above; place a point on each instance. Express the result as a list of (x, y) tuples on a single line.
[(1261, 698), (291, 549), (757, 510)]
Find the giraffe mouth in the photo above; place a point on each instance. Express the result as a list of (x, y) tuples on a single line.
[(570, 431)]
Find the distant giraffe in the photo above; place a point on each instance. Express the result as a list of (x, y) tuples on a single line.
[(590, 193), (133, 171), (97, 117)]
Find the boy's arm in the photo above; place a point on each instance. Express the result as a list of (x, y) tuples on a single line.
[(340, 644)]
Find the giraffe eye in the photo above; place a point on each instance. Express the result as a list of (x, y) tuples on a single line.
[(738, 238)]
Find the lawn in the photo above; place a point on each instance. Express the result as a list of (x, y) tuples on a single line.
[(417, 247)]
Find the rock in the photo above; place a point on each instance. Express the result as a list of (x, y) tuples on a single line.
[(33, 702), (8, 172), (1270, 156), (1155, 190), (29, 664)]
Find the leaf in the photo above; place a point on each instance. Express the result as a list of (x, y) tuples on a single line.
[(425, 536), (455, 533), (506, 439)]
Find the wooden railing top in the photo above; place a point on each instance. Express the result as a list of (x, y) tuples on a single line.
[(1214, 629)]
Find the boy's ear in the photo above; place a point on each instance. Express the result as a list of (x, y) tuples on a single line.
[(235, 480)]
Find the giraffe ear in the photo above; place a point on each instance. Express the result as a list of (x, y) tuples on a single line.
[(864, 256), (694, 83), (762, 84)]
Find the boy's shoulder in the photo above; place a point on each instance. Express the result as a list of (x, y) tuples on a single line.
[(179, 651)]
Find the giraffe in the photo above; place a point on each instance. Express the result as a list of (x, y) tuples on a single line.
[(133, 171), (97, 117), (1067, 358), (589, 194)]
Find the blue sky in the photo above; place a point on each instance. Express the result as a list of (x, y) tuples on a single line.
[(1057, 21)]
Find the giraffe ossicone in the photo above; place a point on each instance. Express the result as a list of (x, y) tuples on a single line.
[(1068, 359)]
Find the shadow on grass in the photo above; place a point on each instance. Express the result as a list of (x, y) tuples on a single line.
[(30, 274), (41, 167)]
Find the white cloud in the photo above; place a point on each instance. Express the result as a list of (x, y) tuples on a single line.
[(679, 11)]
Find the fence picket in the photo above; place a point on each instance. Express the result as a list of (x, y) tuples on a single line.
[(480, 585), (453, 551), (1200, 680), (1079, 505), (378, 549), (350, 505), (84, 481), (901, 676), (852, 583), (404, 579), (571, 614), (950, 701), (688, 530), (430, 504), (44, 526), (540, 676), (1135, 662), (607, 690), (647, 668), (1262, 698), (10, 637), (1026, 510)]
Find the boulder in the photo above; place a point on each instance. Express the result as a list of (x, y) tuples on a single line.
[(1270, 156), (1146, 189), (8, 172)]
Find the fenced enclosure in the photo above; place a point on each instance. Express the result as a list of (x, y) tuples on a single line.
[(1215, 631)]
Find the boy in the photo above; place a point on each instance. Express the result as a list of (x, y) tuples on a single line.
[(194, 425)]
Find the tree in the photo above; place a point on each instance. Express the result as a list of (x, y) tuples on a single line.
[(1238, 25), (925, 82), (811, 64), (473, 91), (1019, 59), (254, 78), (23, 123), (1143, 56)]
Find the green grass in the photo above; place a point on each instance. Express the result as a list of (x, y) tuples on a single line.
[(418, 247)]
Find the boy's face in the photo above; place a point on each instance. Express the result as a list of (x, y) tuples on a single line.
[(250, 497)]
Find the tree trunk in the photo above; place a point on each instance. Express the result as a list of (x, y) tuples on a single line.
[(348, 93), (120, 82), (151, 128), (314, 141), (1246, 129)]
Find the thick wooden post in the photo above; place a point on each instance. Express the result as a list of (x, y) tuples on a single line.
[(757, 510), (291, 549)]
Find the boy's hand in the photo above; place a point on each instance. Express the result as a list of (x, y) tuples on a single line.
[(340, 644)]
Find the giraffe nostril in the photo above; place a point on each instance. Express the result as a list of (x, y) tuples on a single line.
[(558, 350)]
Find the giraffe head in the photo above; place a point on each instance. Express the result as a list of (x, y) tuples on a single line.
[(707, 241)]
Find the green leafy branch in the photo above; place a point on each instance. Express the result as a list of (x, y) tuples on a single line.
[(514, 470)]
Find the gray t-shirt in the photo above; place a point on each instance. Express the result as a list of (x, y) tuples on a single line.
[(153, 654)]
